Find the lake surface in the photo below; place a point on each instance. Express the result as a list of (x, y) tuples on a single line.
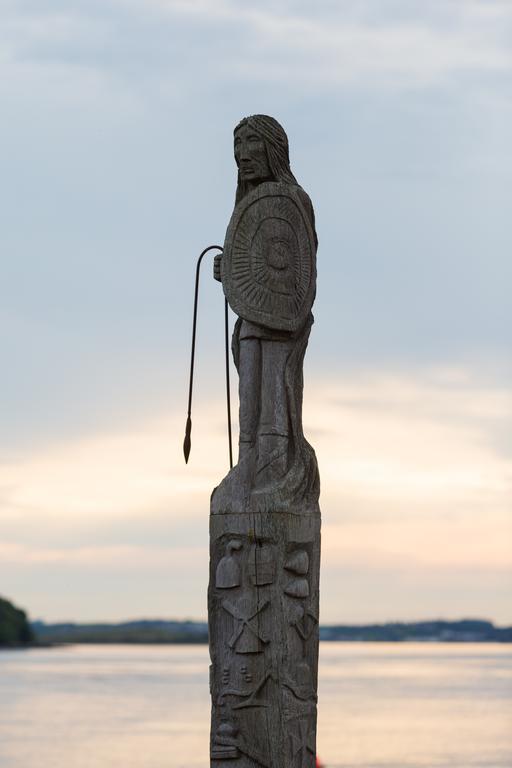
[(380, 706)]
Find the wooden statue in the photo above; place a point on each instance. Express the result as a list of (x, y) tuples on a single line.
[(265, 517)]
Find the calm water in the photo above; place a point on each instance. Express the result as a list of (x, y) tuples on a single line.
[(398, 706)]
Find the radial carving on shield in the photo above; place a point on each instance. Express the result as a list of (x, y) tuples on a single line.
[(269, 258)]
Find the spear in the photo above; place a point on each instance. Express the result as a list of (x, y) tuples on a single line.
[(188, 428)]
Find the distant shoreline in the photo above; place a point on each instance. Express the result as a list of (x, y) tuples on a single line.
[(162, 632), (29, 646), (147, 643)]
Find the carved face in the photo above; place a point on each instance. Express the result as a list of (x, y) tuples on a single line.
[(251, 155)]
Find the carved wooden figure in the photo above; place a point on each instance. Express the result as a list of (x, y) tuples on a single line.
[(265, 517)]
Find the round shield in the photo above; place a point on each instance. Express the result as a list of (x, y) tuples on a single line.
[(268, 264)]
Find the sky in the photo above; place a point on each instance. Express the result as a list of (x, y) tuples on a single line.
[(117, 170)]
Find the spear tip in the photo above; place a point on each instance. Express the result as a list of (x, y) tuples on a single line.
[(187, 443)]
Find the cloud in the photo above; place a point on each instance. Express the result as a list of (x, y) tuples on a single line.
[(112, 475), (107, 558), (105, 102), (414, 485), (105, 105), (430, 543), (419, 440), (355, 44)]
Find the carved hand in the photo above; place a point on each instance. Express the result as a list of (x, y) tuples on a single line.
[(216, 267)]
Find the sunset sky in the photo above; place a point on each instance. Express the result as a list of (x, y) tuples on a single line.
[(117, 169)]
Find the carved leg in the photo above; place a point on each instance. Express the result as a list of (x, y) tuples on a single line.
[(273, 428), (249, 391)]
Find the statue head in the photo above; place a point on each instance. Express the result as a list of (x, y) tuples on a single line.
[(261, 153)]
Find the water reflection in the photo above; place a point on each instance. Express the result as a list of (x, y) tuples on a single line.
[(381, 706)]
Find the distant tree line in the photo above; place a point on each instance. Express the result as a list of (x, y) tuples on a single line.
[(144, 631), (14, 626), (160, 631), (463, 631)]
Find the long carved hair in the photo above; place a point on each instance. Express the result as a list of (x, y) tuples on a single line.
[(276, 144)]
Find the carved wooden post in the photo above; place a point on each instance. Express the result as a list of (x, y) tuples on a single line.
[(264, 517)]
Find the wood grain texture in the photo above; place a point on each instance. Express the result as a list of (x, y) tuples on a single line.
[(263, 630)]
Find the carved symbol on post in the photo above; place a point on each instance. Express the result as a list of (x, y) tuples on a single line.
[(261, 565), (302, 742), (298, 562), (227, 575), (247, 637), (301, 685), (225, 747), (250, 696), (305, 625), (297, 588)]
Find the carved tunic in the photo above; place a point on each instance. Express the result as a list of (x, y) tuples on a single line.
[(269, 278)]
